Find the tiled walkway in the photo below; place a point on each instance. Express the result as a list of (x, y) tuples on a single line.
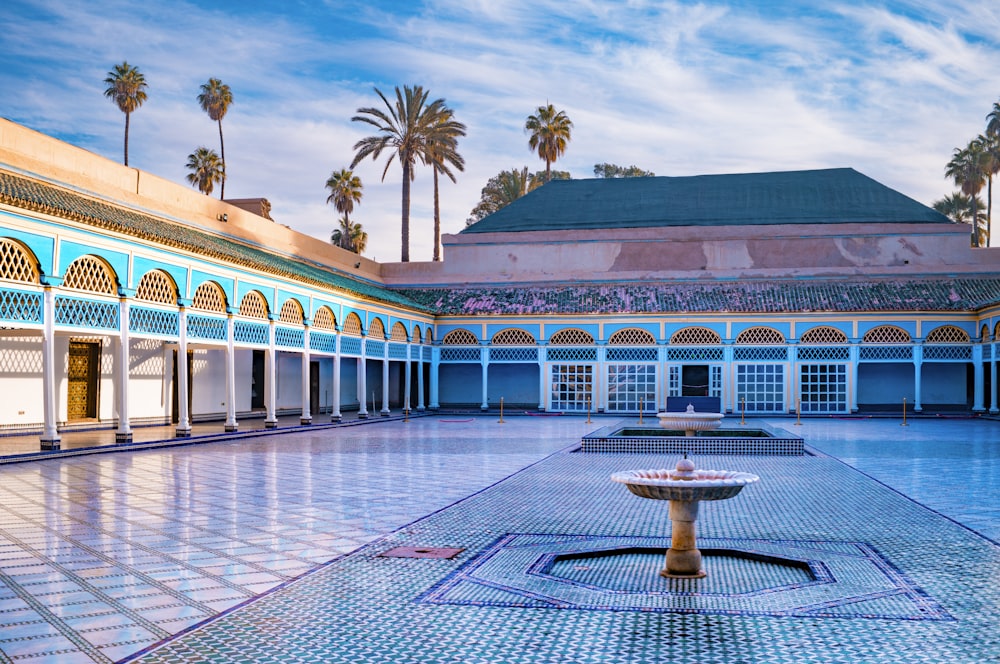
[(102, 556)]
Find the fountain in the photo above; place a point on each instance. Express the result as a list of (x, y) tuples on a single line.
[(684, 487), (690, 422)]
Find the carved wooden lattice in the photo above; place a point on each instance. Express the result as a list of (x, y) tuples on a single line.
[(823, 335), (398, 333), (16, 263), (90, 274), (291, 312), (886, 334), (253, 306), (460, 338), (984, 334), (947, 334), (571, 337), (156, 286), (512, 337), (209, 297), (632, 337), (416, 334), (695, 336), (760, 336), (324, 319), (352, 325), (376, 330)]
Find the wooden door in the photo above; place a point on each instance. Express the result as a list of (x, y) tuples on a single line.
[(82, 374)]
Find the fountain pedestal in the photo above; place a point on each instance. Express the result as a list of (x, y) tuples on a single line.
[(684, 487), (690, 422)]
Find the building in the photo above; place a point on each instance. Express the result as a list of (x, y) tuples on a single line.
[(822, 292)]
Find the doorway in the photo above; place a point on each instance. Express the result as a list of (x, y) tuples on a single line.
[(82, 380), (257, 381), (314, 387)]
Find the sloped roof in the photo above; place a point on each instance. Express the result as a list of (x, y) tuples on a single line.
[(765, 296), (33, 195), (830, 196)]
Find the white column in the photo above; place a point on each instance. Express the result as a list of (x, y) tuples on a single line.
[(50, 433), (124, 432), (541, 378), (270, 376), (407, 378), (385, 378), (853, 378), (599, 399), (918, 366), (435, 366), (335, 415), (420, 378), (484, 361), (993, 380), (794, 393), (231, 424), (306, 401), (977, 381), (728, 379), (183, 416), (363, 382)]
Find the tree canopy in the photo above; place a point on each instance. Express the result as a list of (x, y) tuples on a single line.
[(615, 171)]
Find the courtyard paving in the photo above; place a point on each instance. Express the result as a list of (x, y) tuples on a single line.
[(269, 549)]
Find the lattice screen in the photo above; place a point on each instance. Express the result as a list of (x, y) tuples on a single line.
[(352, 325), (376, 330), (90, 274), (996, 332), (760, 336), (947, 334), (512, 337), (209, 297), (695, 336), (429, 337), (416, 334), (398, 333), (632, 337), (17, 264), (887, 334), (984, 334), (324, 319), (571, 337), (291, 312), (253, 306), (823, 335), (156, 286), (460, 338)]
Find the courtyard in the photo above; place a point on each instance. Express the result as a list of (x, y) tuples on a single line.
[(270, 549)]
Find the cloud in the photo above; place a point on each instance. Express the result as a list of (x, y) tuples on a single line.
[(673, 87)]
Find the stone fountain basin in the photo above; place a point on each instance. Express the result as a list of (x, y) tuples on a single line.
[(691, 421), (662, 484)]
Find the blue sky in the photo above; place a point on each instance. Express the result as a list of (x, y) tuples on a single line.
[(679, 88)]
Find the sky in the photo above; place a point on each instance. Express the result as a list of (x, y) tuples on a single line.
[(675, 87)]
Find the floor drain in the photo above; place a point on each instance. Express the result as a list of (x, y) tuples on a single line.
[(435, 552)]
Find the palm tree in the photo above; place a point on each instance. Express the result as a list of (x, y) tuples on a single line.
[(410, 124), (345, 190), (441, 152), (350, 236), (206, 169), (501, 190), (993, 119), (966, 169), (957, 207), (990, 144), (548, 132), (215, 99), (127, 88)]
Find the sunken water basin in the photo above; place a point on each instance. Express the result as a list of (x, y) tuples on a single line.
[(627, 437), (685, 487)]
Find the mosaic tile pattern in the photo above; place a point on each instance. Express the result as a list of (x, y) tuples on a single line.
[(615, 439), (746, 577), (105, 554), (366, 608)]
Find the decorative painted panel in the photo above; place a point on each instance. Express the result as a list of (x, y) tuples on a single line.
[(289, 337), (950, 352), (86, 313), (249, 332), (824, 353), (758, 353), (374, 348), (397, 351), (571, 354), (350, 346), (513, 354), (20, 306), (649, 354), (461, 354), (323, 342), (885, 353), (206, 327), (145, 320), (695, 354)]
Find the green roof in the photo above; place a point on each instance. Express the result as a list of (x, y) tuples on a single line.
[(831, 196)]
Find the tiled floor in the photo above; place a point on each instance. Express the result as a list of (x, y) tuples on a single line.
[(102, 556)]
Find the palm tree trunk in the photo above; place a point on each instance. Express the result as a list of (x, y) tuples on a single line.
[(222, 148), (126, 139), (548, 170), (437, 219), (405, 257), (989, 209)]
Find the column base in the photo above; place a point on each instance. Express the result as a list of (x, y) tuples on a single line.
[(232, 428), (271, 425), (384, 413), (51, 443), (305, 421), (362, 416), (182, 433), (123, 438)]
